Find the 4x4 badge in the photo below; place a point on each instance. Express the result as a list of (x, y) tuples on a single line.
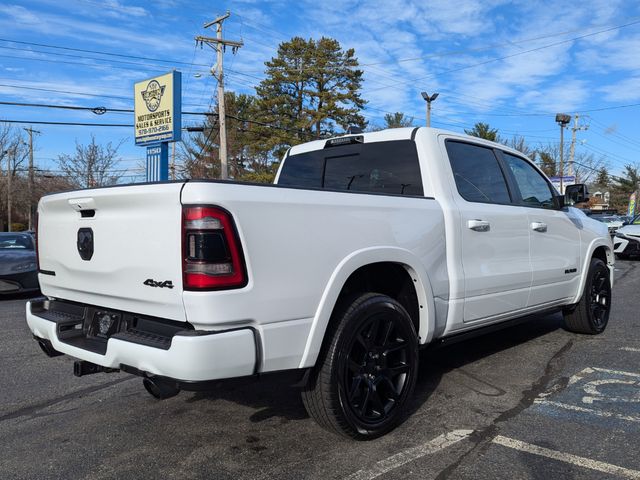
[(149, 282)]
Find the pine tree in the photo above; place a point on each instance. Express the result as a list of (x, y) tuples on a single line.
[(602, 179), (397, 120), (483, 130), (201, 156), (311, 87), (547, 164)]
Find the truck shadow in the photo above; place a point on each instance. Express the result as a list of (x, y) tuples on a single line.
[(274, 396), (438, 360)]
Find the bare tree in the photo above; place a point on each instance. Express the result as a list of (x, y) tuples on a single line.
[(92, 165), (13, 155), (585, 165)]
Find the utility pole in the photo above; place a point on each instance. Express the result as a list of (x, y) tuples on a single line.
[(9, 173), (219, 44), (31, 131), (563, 120), (572, 149), (429, 99)]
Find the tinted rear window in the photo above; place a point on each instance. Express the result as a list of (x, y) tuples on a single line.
[(379, 167)]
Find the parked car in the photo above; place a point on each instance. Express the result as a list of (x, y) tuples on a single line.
[(18, 270), (626, 242), (613, 222), (365, 249)]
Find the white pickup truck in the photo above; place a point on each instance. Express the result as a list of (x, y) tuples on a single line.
[(367, 247)]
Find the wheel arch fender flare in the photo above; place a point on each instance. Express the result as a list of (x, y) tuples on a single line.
[(598, 243), (341, 274)]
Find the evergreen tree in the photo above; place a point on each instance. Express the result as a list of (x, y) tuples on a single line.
[(397, 120), (629, 182), (201, 156), (547, 163), (310, 88), (483, 130), (602, 179)]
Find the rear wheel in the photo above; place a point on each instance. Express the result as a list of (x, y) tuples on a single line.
[(367, 370), (591, 314)]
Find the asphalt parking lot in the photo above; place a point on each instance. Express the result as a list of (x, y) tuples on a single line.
[(532, 401)]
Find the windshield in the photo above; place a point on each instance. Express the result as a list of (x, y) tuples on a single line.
[(636, 220), (18, 241)]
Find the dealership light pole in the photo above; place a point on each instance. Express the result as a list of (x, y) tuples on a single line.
[(563, 120), (429, 99)]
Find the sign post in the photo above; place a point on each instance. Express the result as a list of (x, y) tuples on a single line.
[(158, 120)]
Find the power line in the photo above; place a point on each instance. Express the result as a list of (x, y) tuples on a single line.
[(96, 110), (73, 124), (177, 62)]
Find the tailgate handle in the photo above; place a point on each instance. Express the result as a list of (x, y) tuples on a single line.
[(79, 204)]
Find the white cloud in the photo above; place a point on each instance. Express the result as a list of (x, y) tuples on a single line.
[(627, 90)]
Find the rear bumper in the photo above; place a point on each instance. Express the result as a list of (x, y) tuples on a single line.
[(192, 356)]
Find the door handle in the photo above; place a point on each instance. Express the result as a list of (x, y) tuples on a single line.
[(539, 226), (478, 225)]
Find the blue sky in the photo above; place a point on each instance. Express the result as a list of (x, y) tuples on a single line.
[(512, 64)]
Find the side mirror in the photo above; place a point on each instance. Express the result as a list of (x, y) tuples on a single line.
[(625, 223), (558, 202), (576, 194)]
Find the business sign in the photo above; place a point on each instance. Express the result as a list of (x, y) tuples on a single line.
[(158, 162), (631, 211), (566, 180), (157, 109)]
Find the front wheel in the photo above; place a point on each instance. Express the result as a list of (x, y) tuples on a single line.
[(591, 314), (367, 370)]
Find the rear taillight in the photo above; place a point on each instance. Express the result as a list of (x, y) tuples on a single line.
[(212, 257)]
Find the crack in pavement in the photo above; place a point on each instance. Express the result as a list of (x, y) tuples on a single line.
[(482, 438)]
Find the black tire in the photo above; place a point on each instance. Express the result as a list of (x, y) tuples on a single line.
[(591, 314), (367, 369)]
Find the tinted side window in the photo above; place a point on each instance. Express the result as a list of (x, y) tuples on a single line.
[(477, 173), (534, 189), (379, 167)]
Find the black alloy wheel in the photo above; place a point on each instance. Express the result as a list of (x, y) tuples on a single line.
[(591, 314), (376, 371), (367, 369), (600, 298)]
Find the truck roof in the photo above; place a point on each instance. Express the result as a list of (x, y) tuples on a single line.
[(391, 134)]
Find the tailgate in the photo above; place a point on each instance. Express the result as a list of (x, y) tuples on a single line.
[(135, 232)]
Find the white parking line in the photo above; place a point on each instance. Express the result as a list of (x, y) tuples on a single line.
[(630, 349), (592, 411), (409, 455), (617, 372), (566, 457)]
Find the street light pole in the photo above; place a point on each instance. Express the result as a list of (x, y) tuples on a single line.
[(563, 120), (429, 99)]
